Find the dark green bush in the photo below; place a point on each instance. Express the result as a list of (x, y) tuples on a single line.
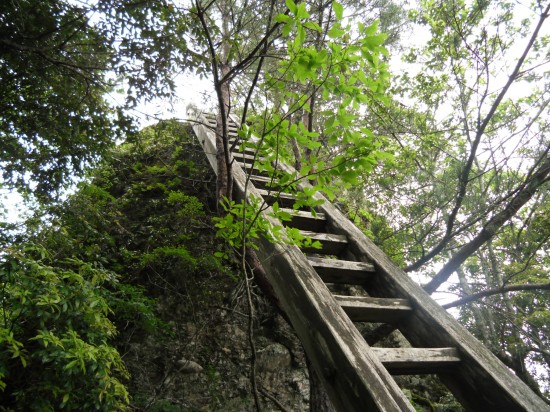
[(55, 335)]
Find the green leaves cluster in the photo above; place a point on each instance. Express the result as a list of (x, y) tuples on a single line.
[(56, 336), (243, 224), (71, 305), (60, 59), (342, 75)]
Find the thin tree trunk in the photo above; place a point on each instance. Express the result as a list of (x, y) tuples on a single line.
[(224, 180)]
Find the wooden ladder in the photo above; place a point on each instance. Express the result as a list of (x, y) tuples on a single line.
[(357, 376)]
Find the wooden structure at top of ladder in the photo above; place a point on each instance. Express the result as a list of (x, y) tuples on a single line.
[(358, 377)]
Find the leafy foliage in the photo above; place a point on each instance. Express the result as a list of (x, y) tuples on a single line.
[(73, 302), (60, 60), (341, 74), (56, 336)]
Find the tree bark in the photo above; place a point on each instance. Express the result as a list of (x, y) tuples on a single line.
[(224, 182)]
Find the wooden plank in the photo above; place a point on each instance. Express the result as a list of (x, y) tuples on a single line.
[(247, 150), (263, 182), (304, 220), (331, 244), (211, 121), (369, 309), (342, 271), (414, 361), (285, 200), (353, 376), (253, 169), (244, 158), (207, 139)]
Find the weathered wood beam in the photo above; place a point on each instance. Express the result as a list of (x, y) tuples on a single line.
[(305, 221), (415, 361), (342, 271), (352, 374), (369, 309), (481, 382), (282, 198), (331, 244), (244, 158)]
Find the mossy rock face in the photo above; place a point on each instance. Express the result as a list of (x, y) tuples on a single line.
[(154, 201)]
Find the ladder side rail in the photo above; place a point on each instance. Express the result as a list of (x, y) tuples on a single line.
[(352, 373), (353, 376), (484, 383), (207, 138)]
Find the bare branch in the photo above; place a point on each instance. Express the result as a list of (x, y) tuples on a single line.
[(490, 292), (533, 181), (464, 176)]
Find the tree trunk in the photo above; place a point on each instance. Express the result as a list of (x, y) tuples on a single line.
[(224, 180)]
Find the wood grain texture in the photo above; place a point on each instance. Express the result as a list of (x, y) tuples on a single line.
[(415, 361), (369, 309)]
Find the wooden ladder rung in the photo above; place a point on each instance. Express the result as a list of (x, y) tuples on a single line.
[(263, 182), (331, 244), (248, 168), (369, 309), (342, 271), (247, 150), (304, 220), (283, 199), (414, 361), (244, 158), (232, 129)]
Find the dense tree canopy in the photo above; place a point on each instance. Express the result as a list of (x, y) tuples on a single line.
[(60, 63)]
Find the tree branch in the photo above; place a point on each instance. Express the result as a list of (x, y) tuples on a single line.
[(490, 292), (528, 189), (464, 176)]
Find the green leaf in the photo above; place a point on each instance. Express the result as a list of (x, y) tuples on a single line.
[(283, 18), (291, 6), (373, 28), (311, 25), (336, 31), (302, 13), (338, 10), (374, 41)]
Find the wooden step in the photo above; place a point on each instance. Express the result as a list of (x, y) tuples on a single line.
[(305, 220), (211, 121), (266, 182), (244, 158), (415, 361), (355, 374), (238, 150), (369, 309), (331, 244), (285, 200), (342, 271), (263, 182), (232, 131), (253, 169)]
